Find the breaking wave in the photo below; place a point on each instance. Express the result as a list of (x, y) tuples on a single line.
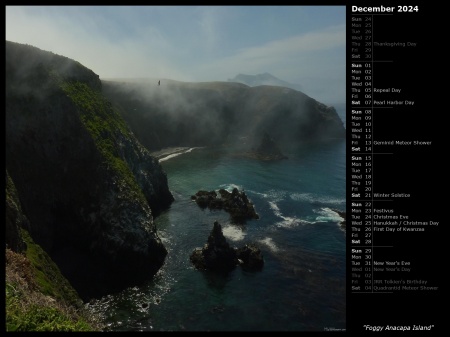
[(233, 233), (270, 244), (173, 155)]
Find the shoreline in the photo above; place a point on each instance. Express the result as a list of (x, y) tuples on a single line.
[(169, 152)]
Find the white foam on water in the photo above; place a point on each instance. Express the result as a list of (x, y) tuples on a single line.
[(316, 198), (275, 208), (193, 148), (287, 221), (233, 233), (301, 197), (170, 156), (326, 214), (177, 154), (230, 187), (164, 240), (264, 195), (269, 243), (276, 195)]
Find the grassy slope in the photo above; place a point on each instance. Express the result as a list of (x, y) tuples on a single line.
[(38, 297)]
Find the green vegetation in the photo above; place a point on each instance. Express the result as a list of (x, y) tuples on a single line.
[(35, 317), (47, 274), (38, 297), (105, 126)]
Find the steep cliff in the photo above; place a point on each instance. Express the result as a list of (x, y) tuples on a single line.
[(87, 186), (15, 220)]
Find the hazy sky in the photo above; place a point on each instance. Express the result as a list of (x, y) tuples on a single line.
[(299, 44)]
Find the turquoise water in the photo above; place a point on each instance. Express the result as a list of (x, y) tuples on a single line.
[(302, 285)]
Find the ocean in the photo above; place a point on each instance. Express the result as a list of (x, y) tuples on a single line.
[(302, 286)]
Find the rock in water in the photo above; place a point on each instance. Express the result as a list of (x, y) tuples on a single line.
[(219, 256), (216, 254), (342, 214), (236, 203), (251, 257), (268, 149)]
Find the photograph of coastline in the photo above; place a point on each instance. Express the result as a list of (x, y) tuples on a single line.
[(175, 168)]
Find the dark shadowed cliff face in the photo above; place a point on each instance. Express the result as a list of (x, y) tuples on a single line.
[(87, 186), (216, 113), (14, 218)]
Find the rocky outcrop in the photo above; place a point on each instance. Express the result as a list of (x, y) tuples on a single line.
[(89, 189), (343, 215), (250, 257), (236, 203), (217, 255), (267, 150)]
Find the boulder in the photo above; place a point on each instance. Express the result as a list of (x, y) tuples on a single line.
[(268, 149), (251, 257), (217, 255), (342, 214), (236, 203)]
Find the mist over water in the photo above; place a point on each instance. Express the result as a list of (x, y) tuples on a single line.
[(302, 284)]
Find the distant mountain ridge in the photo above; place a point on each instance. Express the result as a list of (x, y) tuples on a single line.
[(220, 113), (263, 79)]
